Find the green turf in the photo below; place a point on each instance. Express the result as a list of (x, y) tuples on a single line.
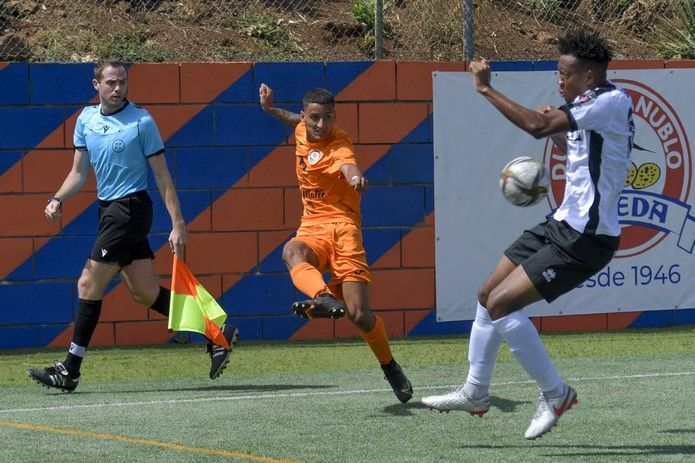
[(328, 402)]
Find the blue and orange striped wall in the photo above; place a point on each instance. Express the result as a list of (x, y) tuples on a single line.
[(233, 169)]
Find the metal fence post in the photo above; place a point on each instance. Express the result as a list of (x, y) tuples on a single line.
[(468, 46), (378, 29)]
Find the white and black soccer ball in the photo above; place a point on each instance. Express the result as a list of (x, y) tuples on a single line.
[(524, 181)]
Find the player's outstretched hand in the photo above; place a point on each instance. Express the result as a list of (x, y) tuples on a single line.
[(265, 95), (481, 74)]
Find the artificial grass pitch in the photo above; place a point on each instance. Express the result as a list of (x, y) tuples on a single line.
[(328, 402)]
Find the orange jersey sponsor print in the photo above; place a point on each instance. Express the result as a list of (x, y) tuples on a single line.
[(326, 195)]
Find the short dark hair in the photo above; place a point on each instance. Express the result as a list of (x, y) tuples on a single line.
[(318, 95), (101, 65), (586, 46)]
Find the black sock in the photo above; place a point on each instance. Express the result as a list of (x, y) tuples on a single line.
[(161, 304), (88, 313)]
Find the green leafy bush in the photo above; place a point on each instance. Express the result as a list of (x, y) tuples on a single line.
[(675, 37), (130, 45), (364, 12), (264, 28)]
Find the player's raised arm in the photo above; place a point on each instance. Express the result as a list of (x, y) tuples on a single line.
[(535, 123), (265, 95)]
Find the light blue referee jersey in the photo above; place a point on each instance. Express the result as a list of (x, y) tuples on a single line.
[(118, 146)]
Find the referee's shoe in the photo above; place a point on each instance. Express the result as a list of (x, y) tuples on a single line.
[(219, 355), (56, 376)]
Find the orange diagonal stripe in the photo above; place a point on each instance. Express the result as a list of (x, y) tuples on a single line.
[(173, 118), (272, 162)]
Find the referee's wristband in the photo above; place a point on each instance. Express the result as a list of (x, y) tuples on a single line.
[(60, 201)]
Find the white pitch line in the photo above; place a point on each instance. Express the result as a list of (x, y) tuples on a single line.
[(316, 393)]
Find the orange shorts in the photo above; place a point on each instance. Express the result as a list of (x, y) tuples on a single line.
[(339, 249)]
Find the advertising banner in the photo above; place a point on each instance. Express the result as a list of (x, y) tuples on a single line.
[(654, 267)]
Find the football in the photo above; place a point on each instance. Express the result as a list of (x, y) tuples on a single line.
[(524, 181)]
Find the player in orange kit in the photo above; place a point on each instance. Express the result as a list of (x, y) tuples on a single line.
[(329, 236)]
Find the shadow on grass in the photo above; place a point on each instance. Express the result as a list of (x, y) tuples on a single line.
[(405, 409), (592, 450), (621, 450), (679, 431), (504, 405)]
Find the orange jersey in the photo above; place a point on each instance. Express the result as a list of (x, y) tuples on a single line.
[(326, 195)]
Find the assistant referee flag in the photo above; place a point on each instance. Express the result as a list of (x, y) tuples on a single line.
[(192, 308)]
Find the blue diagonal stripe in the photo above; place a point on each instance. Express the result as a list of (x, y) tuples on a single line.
[(392, 210), (63, 256)]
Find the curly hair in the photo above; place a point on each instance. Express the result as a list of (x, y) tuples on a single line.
[(586, 46)]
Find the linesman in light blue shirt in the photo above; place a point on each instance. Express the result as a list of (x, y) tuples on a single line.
[(119, 139)]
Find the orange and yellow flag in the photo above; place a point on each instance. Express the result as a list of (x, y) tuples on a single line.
[(192, 308)]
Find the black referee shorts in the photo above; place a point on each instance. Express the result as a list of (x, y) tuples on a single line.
[(123, 227), (557, 258)]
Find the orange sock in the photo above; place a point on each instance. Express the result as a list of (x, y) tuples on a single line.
[(378, 341), (308, 279)]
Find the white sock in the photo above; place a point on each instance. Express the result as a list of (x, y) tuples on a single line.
[(524, 342), (79, 351), (483, 347)]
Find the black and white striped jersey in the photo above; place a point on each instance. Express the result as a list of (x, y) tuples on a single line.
[(598, 158)]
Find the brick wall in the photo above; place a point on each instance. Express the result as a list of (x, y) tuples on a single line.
[(233, 168)]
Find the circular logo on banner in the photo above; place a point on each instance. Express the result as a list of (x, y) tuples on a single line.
[(313, 157), (118, 145), (653, 202)]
